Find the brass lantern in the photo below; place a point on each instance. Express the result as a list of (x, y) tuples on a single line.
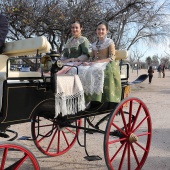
[(46, 63)]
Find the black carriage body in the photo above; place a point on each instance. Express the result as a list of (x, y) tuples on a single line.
[(20, 99)]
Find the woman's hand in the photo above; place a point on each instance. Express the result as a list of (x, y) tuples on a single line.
[(68, 60), (88, 63)]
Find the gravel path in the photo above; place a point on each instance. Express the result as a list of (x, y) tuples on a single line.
[(156, 97)]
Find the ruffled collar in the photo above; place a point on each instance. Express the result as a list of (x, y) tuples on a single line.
[(74, 42), (100, 46)]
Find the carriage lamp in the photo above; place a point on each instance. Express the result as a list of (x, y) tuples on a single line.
[(46, 63)]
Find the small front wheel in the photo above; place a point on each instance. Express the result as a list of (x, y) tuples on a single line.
[(15, 156), (52, 139), (128, 136)]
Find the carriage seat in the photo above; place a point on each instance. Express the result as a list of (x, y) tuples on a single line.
[(27, 46), (121, 54), (24, 47)]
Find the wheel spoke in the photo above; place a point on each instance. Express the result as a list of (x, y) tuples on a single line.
[(65, 137), (51, 140), (140, 124), (123, 157), (46, 135), (124, 121), (143, 134), (136, 116), (118, 140), (129, 158), (19, 163), (113, 124), (4, 158), (120, 148), (141, 147), (71, 131), (130, 116), (58, 146), (135, 155)]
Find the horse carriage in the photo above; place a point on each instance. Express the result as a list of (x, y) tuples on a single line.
[(30, 96)]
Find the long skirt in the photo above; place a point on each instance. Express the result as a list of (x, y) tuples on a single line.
[(112, 85)]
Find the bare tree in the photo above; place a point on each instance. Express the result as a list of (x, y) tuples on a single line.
[(130, 20), (165, 60), (155, 60), (148, 61)]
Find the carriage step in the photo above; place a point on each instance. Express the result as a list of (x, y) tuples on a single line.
[(93, 158)]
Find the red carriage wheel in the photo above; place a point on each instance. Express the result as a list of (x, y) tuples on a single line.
[(128, 136), (50, 138), (15, 156)]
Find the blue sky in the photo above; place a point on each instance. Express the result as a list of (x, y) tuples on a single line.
[(160, 49), (155, 49)]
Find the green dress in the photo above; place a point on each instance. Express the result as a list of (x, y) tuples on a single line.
[(112, 82), (112, 85), (76, 47)]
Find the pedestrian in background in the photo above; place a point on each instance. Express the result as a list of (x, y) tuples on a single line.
[(163, 71), (150, 73), (159, 71)]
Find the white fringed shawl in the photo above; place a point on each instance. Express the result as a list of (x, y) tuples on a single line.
[(69, 97)]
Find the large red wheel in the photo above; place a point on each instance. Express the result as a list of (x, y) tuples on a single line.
[(128, 136), (16, 157), (50, 138)]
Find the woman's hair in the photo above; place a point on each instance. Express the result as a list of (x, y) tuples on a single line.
[(104, 23), (150, 67), (78, 22)]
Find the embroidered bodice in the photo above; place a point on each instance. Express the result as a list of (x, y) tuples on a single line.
[(103, 50)]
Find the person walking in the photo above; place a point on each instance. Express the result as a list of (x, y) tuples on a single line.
[(159, 71), (150, 73), (163, 71)]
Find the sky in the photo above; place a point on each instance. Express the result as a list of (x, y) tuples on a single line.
[(162, 49), (159, 49)]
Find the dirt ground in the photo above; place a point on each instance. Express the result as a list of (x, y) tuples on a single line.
[(156, 97)]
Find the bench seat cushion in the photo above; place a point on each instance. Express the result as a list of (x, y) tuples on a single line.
[(121, 54), (20, 74), (27, 47)]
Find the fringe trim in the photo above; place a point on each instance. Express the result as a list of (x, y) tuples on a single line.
[(69, 104)]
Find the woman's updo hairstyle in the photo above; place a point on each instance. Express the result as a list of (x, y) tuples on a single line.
[(78, 22), (104, 23)]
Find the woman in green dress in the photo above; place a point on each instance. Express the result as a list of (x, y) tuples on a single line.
[(103, 50), (77, 47)]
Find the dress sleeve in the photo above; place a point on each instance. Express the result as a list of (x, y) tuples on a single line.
[(85, 48), (112, 51), (65, 54)]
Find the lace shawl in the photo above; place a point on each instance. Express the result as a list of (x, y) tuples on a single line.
[(74, 42), (107, 42), (92, 77)]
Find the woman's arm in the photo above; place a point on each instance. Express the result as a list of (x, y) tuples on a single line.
[(112, 51), (84, 51)]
